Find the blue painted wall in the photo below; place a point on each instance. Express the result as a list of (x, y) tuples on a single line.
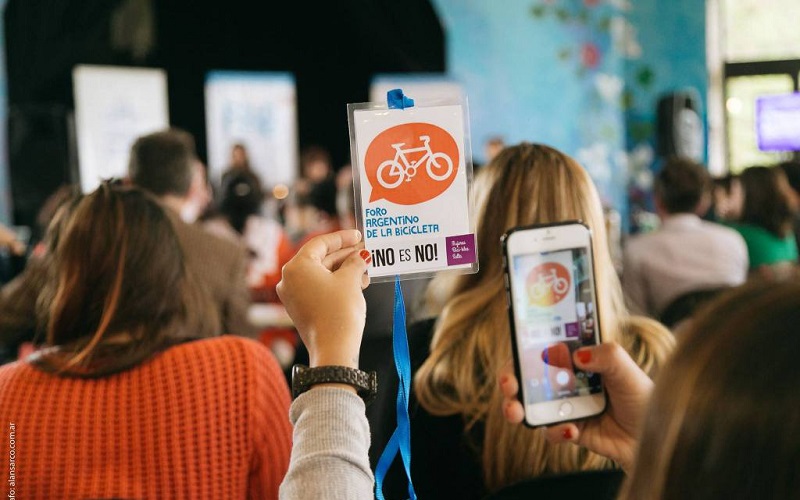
[(580, 75), (671, 38)]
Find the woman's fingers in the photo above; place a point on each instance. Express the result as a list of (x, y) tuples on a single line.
[(320, 247)]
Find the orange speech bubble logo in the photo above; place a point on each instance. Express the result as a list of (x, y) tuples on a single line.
[(548, 284), (411, 163)]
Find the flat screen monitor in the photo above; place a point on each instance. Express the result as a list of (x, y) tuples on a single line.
[(778, 122)]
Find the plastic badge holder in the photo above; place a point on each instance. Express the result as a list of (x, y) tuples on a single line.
[(412, 173)]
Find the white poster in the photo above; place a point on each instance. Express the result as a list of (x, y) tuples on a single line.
[(422, 87), (258, 111), (413, 168), (113, 107)]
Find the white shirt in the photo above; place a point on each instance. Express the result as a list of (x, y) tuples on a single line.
[(686, 254)]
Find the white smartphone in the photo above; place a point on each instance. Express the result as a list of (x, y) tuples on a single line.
[(553, 312)]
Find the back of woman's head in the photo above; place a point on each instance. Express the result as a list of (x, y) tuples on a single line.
[(768, 202), (724, 420), (118, 291), (524, 184)]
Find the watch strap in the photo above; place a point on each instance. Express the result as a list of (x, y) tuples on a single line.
[(365, 383)]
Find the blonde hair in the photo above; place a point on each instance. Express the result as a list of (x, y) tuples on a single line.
[(524, 184)]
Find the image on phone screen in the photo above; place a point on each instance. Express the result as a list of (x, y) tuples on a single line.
[(555, 315)]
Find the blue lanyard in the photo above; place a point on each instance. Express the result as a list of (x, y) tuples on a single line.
[(401, 437)]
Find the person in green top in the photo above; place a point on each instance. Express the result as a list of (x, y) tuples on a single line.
[(766, 220)]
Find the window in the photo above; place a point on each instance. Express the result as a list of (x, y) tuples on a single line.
[(758, 52)]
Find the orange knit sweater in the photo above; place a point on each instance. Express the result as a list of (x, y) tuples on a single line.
[(204, 419)]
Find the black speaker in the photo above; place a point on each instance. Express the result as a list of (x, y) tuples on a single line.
[(42, 155), (679, 126)]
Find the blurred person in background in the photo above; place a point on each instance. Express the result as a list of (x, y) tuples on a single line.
[(17, 299), (766, 223), (728, 199), (792, 171), (310, 210), (123, 372), (165, 164), (686, 254), (315, 164), (240, 219)]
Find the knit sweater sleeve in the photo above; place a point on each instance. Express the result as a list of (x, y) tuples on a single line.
[(331, 444), (269, 425)]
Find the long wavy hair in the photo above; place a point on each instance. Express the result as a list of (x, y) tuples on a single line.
[(118, 292), (524, 184)]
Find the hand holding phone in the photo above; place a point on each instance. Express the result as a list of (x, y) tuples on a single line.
[(612, 434), (553, 312)]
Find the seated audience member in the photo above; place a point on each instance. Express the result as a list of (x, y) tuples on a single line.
[(122, 402), (707, 433), (766, 221), (792, 171), (166, 165), (686, 254), (460, 443), (315, 164), (728, 199), (239, 219), (311, 211)]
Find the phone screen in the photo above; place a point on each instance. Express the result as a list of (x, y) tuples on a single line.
[(555, 314)]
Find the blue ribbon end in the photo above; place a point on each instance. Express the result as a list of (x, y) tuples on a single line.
[(397, 100)]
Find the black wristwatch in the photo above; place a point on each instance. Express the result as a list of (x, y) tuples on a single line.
[(365, 383)]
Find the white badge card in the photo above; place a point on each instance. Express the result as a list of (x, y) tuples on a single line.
[(413, 170)]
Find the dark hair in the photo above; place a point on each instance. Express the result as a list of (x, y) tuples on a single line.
[(162, 162), (767, 203), (681, 185), (118, 269), (723, 421), (725, 182), (792, 171), (323, 196), (241, 197)]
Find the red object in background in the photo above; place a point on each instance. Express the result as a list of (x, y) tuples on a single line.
[(591, 3), (590, 55)]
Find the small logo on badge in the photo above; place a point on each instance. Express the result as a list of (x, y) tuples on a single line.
[(548, 284)]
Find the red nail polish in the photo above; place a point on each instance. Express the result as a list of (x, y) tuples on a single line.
[(584, 356), (364, 254), (567, 433)]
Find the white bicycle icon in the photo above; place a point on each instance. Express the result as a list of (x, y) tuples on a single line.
[(392, 173), (547, 282)]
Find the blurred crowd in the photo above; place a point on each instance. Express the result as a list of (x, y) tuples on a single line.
[(132, 378)]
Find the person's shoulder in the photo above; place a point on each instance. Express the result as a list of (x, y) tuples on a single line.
[(13, 369), (227, 343), (197, 240), (641, 244)]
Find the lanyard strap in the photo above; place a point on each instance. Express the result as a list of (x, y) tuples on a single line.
[(401, 437)]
